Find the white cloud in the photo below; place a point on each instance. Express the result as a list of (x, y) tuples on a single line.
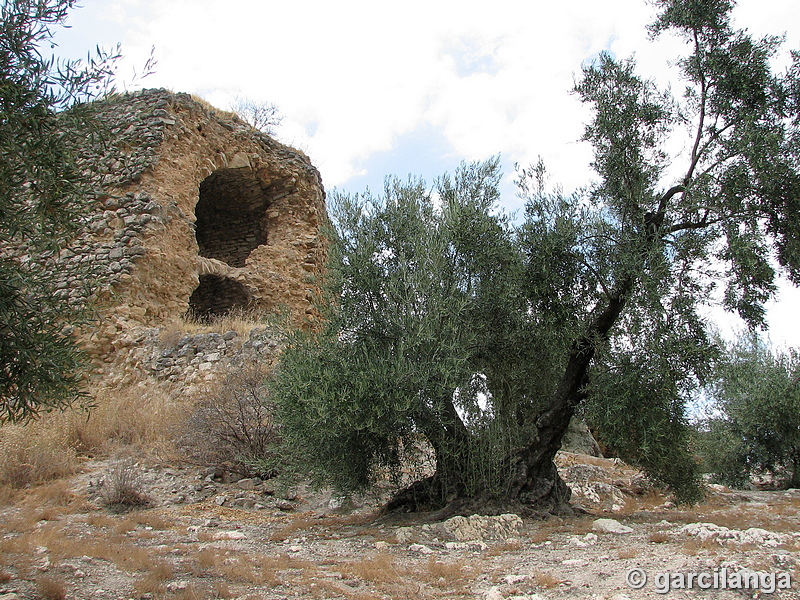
[(353, 77)]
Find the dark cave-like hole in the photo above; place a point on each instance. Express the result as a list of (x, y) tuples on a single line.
[(216, 296), (230, 216)]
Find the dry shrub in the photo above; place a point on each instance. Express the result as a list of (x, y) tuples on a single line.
[(153, 581), (122, 488), (50, 588), (234, 427), (445, 574), (546, 580), (5, 577), (659, 537)]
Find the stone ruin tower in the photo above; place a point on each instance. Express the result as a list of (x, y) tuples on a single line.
[(198, 213)]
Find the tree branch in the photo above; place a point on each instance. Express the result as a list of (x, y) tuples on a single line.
[(696, 153), (662, 203), (597, 276)]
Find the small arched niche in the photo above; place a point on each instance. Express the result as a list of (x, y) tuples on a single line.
[(216, 296), (230, 215)]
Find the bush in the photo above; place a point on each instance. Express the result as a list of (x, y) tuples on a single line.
[(235, 427), (123, 489)]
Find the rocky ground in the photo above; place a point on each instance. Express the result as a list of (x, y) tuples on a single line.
[(205, 535)]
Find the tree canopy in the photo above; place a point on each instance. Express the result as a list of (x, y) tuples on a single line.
[(42, 195), (485, 339), (754, 429)]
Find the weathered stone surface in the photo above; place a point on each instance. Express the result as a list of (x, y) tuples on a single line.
[(579, 440), (753, 535), (480, 527), (195, 211), (610, 526)]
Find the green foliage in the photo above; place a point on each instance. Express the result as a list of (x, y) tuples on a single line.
[(662, 250), (42, 195), (638, 401), (594, 301), (420, 342), (756, 394)]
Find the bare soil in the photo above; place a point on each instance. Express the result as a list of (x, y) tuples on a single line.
[(203, 538)]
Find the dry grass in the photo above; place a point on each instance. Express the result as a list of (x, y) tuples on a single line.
[(546, 580), (627, 553), (150, 520), (246, 568), (138, 416), (35, 453), (647, 502), (153, 581), (225, 114), (51, 588), (554, 525), (101, 521), (659, 537), (240, 320), (62, 543), (693, 547), (446, 574), (506, 546), (299, 524), (128, 523), (207, 558), (219, 589), (54, 494), (193, 591), (51, 448), (378, 569)]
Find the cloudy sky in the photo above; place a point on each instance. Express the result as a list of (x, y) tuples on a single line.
[(371, 88)]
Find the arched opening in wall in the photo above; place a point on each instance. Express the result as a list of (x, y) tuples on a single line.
[(230, 213), (216, 296)]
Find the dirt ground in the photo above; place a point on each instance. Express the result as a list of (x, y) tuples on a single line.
[(206, 537)]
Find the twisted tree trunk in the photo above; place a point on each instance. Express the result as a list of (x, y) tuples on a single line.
[(535, 481)]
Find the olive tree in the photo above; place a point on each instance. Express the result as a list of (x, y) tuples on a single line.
[(42, 194), (424, 310), (485, 342), (756, 400)]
